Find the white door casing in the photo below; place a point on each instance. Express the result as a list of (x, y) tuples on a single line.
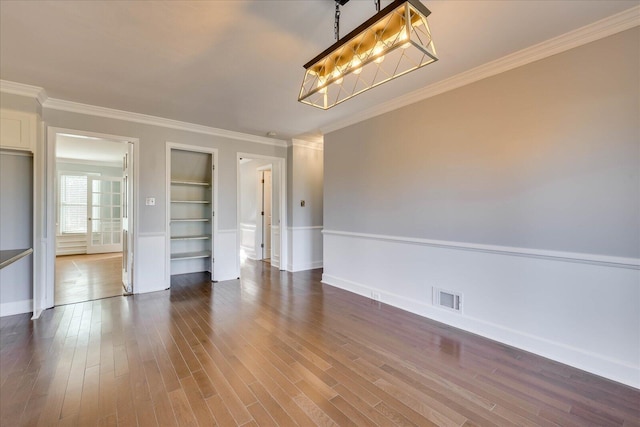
[(127, 235), (267, 217)]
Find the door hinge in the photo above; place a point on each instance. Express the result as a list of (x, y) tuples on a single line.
[(262, 213), (213, 213), (263, 181), (262, 245)]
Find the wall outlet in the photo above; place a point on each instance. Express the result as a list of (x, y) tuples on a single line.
[(150, 201), (375, 296)]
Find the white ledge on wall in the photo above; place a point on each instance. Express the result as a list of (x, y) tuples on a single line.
[(609, 261)]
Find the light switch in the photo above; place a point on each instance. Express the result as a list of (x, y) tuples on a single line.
[(302, 202), (150, 201)]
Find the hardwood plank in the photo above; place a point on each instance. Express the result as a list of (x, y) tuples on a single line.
[(197, 402)]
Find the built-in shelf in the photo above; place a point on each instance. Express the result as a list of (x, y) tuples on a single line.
[(193, 237), (197, 183), (201, 202), (191, 255), (190, 211)]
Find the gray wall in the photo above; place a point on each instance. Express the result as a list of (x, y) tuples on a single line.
[(306, 174), (20, 103), (16, 224), (544, 156), (152, 161)]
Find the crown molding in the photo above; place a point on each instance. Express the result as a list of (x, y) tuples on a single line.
[(611, 25), (76, 107), (313, 145), (23, 90), (93, 110)]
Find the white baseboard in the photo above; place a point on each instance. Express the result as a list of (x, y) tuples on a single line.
[(16, 307), (304, 266), (587, 361)]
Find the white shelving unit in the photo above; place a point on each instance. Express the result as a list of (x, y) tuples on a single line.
[(191, 211)]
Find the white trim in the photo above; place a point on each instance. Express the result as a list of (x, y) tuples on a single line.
[(13, 152), (22, 89), (600, 29), (50, 204), (16, 307), (245, 226), (111, 113), (152, 234), (604, 260), (572, 356), (214, 227), (313, 145), (305, 266), (310, 227), (227, 231)]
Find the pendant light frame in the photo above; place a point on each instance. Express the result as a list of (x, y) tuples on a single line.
[(400, 32)]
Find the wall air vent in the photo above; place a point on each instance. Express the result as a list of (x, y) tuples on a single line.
[(448, 300)]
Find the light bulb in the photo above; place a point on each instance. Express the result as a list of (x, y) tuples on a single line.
[(336, 73), (321, 83), (356, 65), (404, 37), (377, 51)]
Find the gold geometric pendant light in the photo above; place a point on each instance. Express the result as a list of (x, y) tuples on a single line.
[(393, 42)]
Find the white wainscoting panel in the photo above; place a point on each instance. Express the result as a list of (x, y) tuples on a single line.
[(275, 246), (305, 251), (16, 307), (579, 313), (149, 276), (226, 261), (248, 239)]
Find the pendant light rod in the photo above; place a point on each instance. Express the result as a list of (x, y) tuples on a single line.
[(336, 22)]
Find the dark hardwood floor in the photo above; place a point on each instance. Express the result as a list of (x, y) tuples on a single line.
[(82, 278), (279, 349)]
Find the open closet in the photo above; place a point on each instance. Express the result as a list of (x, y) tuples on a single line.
[(191, 211)]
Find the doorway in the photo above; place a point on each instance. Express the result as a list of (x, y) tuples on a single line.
[(265, 207), (91, 212), (261, 210)]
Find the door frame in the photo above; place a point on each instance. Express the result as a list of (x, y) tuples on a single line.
[(214, 203), (260, 195), (50, 202), (281, 163)]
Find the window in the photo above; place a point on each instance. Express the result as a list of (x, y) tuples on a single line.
[(73, 203)]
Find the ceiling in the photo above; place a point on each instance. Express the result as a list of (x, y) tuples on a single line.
[(237, 65)]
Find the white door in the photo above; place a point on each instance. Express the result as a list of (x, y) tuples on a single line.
[(266, 207), (127, 220), (104, 222)]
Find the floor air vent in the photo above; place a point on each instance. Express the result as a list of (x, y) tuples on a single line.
[(447, 299)]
